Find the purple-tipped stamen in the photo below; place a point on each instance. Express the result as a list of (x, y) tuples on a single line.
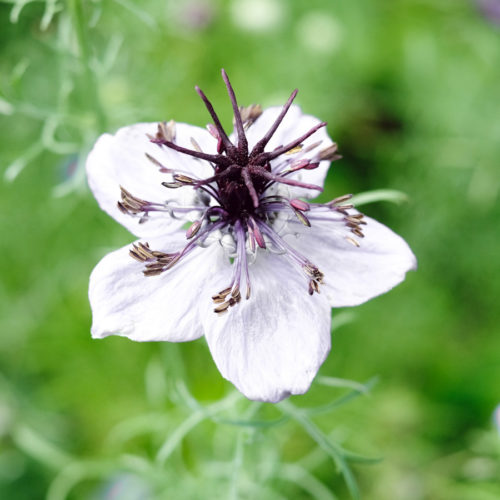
[(256, 232), (301, 205)]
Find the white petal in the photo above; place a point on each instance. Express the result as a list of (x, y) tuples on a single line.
[(354, 275), (272, 345), (165, 307), (292, 127), (120, 160)]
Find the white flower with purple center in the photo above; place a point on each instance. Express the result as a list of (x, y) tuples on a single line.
[(258, 268)]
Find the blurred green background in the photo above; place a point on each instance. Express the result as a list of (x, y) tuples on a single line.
[(411, 92)]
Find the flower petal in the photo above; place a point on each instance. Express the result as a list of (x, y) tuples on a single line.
[(120, 160), (272, 345), (353, 274), (165, 307), (292, 127)]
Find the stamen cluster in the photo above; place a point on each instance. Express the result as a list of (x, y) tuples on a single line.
[(243, 198)]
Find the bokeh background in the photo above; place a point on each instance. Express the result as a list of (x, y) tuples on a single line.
[(411, 92)]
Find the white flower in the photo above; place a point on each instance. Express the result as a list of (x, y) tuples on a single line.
[(249, 270)]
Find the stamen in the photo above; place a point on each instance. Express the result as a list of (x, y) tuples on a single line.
[(193, 229), (300, 205), (157, 262), (141, 252), (329, 153), (132, 205), (312, 146), (302, 218), (313, 287), (354, 222), (251, 238), (184, 179), (249, 114), (357, 217), (215, 133), (280, 179), (213, 130), (231, 296), (165, 132), (236, 293), (309, 269), (256, 233), (294, 150), (311, 166), (172, 185), (219, 297), (354, 219), (314, 272), (175, 210), (298, 165), (343, 209), (153, 160), (222, 308), (195, 144), (340, 199), (352, 241)]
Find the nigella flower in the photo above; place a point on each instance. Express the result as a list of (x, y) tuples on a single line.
[(259, 266)]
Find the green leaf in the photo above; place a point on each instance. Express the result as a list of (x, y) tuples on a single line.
[(334, 451), (343, 399), (340, 382), (392, 195), (257, 424)]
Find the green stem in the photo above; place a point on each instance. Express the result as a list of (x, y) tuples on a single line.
[(237, 464), (336, 452), (79, 25)]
